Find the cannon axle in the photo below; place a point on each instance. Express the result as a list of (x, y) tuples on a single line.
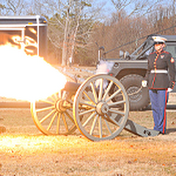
[(62, 105), (102, 108)]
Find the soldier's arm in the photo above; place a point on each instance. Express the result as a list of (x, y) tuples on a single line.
[(171, 66)]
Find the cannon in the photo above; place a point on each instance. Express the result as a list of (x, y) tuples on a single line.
[(98, 108)]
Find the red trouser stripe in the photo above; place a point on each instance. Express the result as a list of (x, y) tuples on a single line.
[(164, 123)]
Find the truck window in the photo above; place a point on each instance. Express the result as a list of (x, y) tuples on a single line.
[(149, 51)]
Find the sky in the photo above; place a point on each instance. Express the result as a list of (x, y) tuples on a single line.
[(109, 7), (107, 10)]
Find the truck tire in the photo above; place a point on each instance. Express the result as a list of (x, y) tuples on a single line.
[(138, 99)]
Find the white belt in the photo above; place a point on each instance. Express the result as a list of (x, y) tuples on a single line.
[(159, 71)]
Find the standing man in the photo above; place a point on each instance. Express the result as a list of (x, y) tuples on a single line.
[(160, 78)]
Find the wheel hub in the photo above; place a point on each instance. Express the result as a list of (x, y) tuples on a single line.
[(102, 108), (60, 105)]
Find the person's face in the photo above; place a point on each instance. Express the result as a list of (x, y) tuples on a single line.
[(159, 47)]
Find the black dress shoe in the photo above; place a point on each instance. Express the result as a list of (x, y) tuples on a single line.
[(162, 133)]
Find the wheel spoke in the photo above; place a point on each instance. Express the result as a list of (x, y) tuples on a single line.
[(93, 125), (107, 90), (85, 93), (107, 126), (52, 98), (89, 118), (65, 122), (69, 116), (45, 109), (100, 127), (87, 104), (60, 94), (94, 92), (117, 119), (114, 121), (116, 103), (63, 95), (116, 112), (100, 90), (58, 124), (113, 95), (52, 120), (47, 101), (86, 112), (55, 96), (47, 116)]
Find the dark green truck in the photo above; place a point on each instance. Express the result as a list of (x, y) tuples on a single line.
[(131, 68)]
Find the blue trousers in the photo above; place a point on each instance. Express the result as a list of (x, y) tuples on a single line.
[(158, 101)]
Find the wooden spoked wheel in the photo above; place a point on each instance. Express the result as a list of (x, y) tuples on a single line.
[(98, 113), (54, 116)]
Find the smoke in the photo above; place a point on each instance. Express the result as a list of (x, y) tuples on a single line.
[(26, 77), (103, 67)]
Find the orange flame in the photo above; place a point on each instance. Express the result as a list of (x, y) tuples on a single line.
[(26, 77)]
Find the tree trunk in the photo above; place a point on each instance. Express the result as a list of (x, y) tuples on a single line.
[(64, 50), (75, 34)]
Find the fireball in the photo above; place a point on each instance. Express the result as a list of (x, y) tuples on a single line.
[(26, 77)]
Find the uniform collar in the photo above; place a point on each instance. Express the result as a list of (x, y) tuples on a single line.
[(159, 52)]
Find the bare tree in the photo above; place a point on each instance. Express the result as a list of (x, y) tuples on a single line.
[(13, 7), (133, 7), (70, 23)]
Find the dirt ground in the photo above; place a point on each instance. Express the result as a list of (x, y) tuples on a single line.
[(26, 151)]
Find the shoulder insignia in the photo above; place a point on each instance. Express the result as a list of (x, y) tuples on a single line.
[(172, 60)]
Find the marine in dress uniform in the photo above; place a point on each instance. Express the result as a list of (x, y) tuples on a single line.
[(160, 78)]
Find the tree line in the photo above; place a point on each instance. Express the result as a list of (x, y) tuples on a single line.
[(77, 28)]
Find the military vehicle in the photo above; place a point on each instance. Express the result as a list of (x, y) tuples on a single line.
[(130, 69)]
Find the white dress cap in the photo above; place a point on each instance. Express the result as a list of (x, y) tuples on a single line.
[(159, 39)]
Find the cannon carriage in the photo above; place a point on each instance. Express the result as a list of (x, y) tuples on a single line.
[(99, 108)]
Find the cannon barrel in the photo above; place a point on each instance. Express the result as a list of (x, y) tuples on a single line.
[(71, 86)]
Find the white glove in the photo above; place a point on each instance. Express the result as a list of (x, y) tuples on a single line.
[(169, 90), (144, 83)]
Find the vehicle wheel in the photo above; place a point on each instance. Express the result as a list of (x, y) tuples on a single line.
[(132, 84), (54, 116), (96, 115)]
